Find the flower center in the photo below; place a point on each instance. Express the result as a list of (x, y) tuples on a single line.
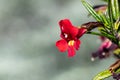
[(71, 43)]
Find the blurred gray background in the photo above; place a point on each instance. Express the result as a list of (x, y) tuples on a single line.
[(28, 32)]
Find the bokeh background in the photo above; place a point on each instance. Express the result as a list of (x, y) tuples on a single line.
[(28, 32)]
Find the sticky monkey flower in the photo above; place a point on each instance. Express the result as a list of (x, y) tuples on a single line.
[(69, 37)]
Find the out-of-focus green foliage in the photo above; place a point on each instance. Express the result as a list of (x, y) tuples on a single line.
[(111, 23), (102, 75)]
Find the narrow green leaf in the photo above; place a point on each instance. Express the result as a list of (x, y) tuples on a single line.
[(115, 8), (102, 75), (110, 12), (108, 35), (105, 20), (103, 33), (118, 70), (105, 0), (95, 33), (110, 16), (91, 10), (117, 24)]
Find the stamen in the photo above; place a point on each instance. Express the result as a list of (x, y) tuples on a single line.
[(71, 43)]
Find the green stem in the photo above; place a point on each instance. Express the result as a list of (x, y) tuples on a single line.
[(95, 33), (99, 34), (112, 38)]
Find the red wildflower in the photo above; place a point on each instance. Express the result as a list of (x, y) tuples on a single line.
[(70, 37)]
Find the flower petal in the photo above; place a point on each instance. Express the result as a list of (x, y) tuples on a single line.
[(71, 51), (77, 44), (65, 25), (62, 45), (67, 28), (74, 31), (81, 32), (105, 44)]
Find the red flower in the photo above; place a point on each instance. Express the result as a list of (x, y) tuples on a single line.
[(70, 37)]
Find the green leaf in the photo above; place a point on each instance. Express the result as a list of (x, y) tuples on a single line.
[(117, 51), (102, 75), (91, 10), (110, 12), (117, 24), (105, 20), (95, 33), (106, 34), (115, 8), (105, 0), (118, 70)]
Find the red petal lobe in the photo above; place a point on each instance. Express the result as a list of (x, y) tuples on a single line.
[(67, 28), (62, 45), (77, 44), (81, 32), (71, 51), (65, 25)]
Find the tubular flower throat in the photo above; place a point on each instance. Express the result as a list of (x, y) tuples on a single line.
[(69, 37)]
